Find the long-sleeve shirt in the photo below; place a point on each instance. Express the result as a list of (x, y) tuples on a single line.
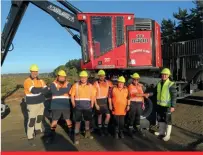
[(35, 89), (60, 95)]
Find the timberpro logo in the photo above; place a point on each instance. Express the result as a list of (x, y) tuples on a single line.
[(140, 39), (61, 13)]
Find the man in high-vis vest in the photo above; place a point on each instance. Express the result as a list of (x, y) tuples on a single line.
[(136, 104), (119, 104), (101, 103), (82, 98), (35, 89), (61, 103), (166, 100)]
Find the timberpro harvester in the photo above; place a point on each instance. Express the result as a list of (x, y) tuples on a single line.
[(120, 43)]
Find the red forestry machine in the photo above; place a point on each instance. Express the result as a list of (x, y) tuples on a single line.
[(120, 43)]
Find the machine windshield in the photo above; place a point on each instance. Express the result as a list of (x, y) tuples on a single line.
[(101, 34)]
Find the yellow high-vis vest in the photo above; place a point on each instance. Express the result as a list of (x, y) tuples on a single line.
[(163, 94)]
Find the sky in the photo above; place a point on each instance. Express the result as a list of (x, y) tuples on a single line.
[(41, 40)]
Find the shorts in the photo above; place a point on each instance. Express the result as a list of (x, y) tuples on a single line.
[(103, 110), (56, 114), (85, 113), (164, 115), (103, 104)]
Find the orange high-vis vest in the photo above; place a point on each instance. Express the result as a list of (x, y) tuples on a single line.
[(58, 86), (83, 95), (136, 89), (82, 92), (119, 100), (30, 83), (102, 89)]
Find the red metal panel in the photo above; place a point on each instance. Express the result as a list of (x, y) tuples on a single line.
[(140, 50), (158, 45), (115, 58)]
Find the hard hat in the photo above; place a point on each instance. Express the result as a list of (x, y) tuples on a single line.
[(121, 79), (166, 71), (62, 73), (135, 76), (101, 73), (83, 74), (34, 68)]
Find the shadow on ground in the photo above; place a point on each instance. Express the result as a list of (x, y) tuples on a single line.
[(192, 100), (192, 146), (60, 143), (149, 143)]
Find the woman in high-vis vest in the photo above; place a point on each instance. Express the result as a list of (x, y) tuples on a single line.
[(119, 104), (60, 104), (34, 89), (166, 100), (136, 104), (101, 103), (82, 98)]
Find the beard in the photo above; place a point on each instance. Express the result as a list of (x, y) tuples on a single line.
[(61, 82)]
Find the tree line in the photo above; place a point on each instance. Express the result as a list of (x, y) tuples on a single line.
[(188, 25)]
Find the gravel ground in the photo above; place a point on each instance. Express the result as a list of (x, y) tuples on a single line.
[(187, 122)]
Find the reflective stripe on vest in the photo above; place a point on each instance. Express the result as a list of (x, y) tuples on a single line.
[(163, 93), (65, 96), (77, 98), (99, 90), (30, 95), (56, 97)]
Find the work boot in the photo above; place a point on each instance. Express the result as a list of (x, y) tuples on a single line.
[(77, 138), (51, 137), (106, 132), (162, 130), (139, 130), (121, 134), (70, 132), (116, 134), (88, 134), (168, 133), (31, 142), (130, 132), (38, 132), (100, 132)]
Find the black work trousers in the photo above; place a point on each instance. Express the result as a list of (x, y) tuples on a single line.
[(119, 122), (164, 114), (135, 113)]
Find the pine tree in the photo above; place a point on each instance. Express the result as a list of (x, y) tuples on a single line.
[(168, 31)]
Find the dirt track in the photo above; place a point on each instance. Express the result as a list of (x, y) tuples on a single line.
[(188, 125)]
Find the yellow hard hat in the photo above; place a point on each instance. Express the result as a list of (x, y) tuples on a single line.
[(62, 73), (83, 74), (166, 71), (135, 76), (121, 79), (101, 73), (34, 68)]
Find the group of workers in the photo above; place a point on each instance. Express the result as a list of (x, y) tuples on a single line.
[(107, 99)]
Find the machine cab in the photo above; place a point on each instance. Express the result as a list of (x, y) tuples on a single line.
[(118, 41)]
